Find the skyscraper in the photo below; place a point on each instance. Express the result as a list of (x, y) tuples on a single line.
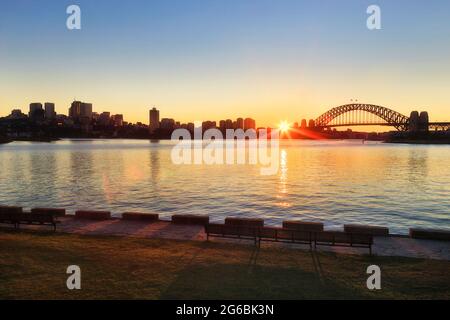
[(80, 110), (36, 112), (249, 123), (49, 110), (153, 120), (33, 107), (240, 123)]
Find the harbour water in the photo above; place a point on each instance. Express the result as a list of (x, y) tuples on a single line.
[(336, 182)]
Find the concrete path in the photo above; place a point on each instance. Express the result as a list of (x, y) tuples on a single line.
[(383, 246)]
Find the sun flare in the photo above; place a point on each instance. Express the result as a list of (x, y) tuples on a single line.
[(284, 126)]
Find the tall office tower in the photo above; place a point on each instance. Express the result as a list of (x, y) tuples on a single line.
[(86, 110), (153, 120), (222, 125), (118, 120), (80, 110), (249, 123), (190, 126), (104, 118), (167, 124), (33, 107), (49, 110), (36, 112), (240, 123), (229, 124)]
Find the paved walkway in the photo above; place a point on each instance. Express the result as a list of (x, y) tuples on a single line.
[(383, 246)]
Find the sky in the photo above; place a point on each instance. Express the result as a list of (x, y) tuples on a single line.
[(271, 60)]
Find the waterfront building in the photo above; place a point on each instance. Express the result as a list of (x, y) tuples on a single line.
[(80, 110), (36, 112), (206, 125), (118, 120), (249, 123), (153, 120), (240, 123), (50, 113), (33, 107), (167, 124), (228, 124), (222, 125), (190, 127), (105, 118), (303, 124)]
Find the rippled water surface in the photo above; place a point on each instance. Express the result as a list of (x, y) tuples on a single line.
[(336, 182)]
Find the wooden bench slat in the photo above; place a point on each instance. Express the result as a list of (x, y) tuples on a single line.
[(328, 238)]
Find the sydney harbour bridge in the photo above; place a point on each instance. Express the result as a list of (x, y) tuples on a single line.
[(360, 114)]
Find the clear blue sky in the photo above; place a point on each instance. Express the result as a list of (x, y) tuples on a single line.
[(198, 59)]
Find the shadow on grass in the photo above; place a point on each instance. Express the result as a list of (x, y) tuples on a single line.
[(253, 281)]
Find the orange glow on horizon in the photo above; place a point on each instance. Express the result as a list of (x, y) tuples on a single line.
[(284, 126)]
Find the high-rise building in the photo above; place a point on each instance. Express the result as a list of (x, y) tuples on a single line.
[(167, 124), (80, 110), (33, 107), (104, 118), (240, 123), (50, 110), (153, 120), (206, 125), (249, 123), (228, 124), (36, 112), (222, 125), (118, 120), (190, 126)]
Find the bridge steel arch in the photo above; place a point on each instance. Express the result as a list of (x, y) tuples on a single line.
[(391, 117)]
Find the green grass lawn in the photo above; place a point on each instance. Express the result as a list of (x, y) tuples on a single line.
[(33, 266)]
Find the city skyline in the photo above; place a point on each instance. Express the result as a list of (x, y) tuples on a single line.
[(220, 59)]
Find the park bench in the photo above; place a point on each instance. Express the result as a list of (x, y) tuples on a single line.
[(54, 211), (343, 239), (319, 238), (430, 234), (93, 215), (285, 235), (302, 225), (249, 222), (190, 219), (231, 231), (8, 214), (29, 218), (138, 216), (16, 217), (366, 229)]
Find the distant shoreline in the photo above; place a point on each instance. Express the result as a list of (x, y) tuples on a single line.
[(388, 141)]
